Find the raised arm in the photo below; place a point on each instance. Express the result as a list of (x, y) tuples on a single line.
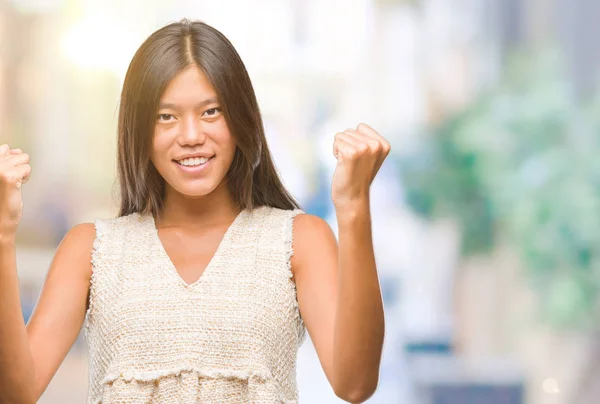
[(338, 287), (30, 355), (340, 301)]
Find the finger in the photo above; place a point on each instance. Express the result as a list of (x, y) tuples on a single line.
[(352, 139), (342, 139), (343, 149), (16, 159), (352, 133), (17, 176), (363, 144), (16, 151), (373, 143), (368, 131), (4, 149), (22, 172), (27, 172)]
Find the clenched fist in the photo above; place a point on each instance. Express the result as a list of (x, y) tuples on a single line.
[(360, 153), (14, 172)]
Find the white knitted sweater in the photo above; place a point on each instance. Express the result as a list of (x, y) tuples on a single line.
[(230, 337)]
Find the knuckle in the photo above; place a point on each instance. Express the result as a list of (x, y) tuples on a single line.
[(352, 153), (375, 144), (363, 148)]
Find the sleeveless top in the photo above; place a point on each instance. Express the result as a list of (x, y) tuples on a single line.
[(231, 336)]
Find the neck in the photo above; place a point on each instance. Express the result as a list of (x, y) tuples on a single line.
[(183, 211)]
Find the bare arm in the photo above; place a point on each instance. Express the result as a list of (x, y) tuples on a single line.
[(60, 310), (338, 288), (16, 365), (359, 321), (340, 300), (30, 355)]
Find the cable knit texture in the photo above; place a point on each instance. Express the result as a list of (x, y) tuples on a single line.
[(230, 337)]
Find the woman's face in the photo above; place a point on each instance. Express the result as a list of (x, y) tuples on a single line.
[(192, 147)]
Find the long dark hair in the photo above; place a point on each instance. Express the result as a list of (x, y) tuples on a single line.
[(252, 178)]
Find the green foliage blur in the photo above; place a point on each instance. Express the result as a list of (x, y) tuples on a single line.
[(521, 165)]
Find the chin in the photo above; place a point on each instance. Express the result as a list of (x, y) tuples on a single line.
[(194, 190)]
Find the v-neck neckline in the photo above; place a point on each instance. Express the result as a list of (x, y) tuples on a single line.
[(173, 269)]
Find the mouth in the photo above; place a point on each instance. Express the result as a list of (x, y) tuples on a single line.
[(194, 164), (193, 161)]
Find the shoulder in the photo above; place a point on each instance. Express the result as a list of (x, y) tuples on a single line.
[(304, 228), (83, 236), (75, 250), (313, 239), (310, 231), (119, 224), (307, 226), (80, 235), (274, 218)]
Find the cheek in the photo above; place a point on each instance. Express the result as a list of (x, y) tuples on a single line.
[(162, 138), (229, 148), (226, 141), (231, 144), (159, 149), (159, 139)]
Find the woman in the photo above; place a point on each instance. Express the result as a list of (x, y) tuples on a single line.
[(193, 294)]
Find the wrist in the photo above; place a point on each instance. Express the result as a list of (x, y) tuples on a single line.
[(353, 210), (8, 239)]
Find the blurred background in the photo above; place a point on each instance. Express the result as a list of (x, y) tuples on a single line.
[(485, 214)]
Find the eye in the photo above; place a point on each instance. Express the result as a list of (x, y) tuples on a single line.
[(212, 111), (164, 117)]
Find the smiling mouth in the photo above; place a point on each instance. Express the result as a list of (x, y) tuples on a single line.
[(194, 161)]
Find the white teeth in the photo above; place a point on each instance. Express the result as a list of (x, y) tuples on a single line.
[(194, 161)]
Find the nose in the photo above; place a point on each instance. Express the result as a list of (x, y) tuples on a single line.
[(192, 132)]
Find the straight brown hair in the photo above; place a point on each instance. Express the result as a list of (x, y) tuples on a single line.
[(252, 178)]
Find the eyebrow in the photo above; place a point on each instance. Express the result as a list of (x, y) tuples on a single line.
[(208, 101)]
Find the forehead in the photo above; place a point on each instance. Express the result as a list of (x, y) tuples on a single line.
[(189, 84)]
